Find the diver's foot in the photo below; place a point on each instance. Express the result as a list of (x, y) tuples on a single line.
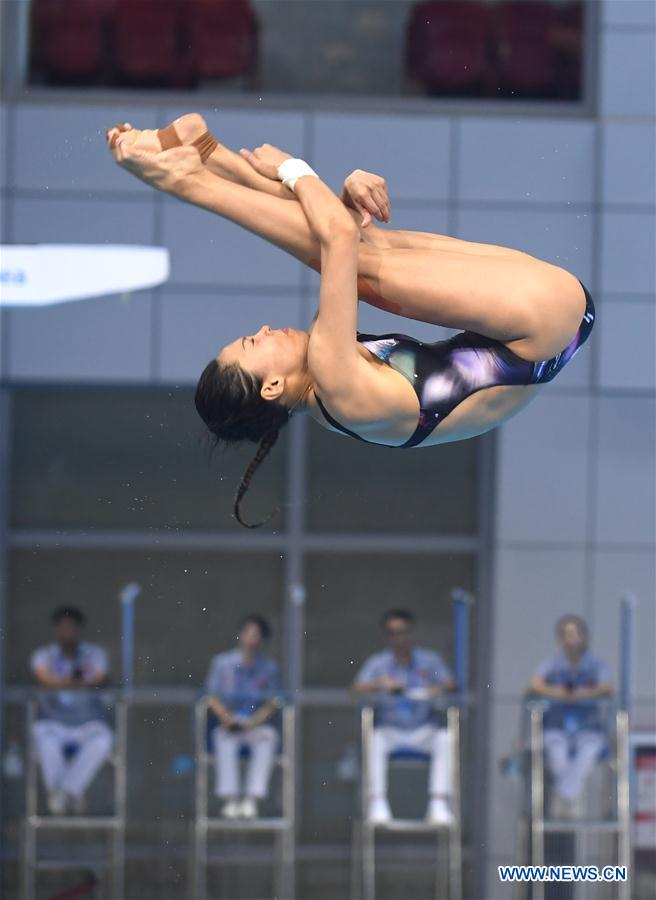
[(189, 130), (145, 140), (166, 170)]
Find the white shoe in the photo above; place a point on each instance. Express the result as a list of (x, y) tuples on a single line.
[(379, 812), (248, 808), (438, 812), (231, 809), (57, 803)]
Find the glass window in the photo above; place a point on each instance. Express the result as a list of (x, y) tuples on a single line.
[(491, 48), (328, 797), (129, 458), (346, 598), (189, 609), (126, 459), (355, 486)]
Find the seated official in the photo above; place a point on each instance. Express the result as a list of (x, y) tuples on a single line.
[(406, 678), (72, 714), (241, 686), (573, 735)]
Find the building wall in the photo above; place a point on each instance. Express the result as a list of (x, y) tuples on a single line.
[(575, 479)]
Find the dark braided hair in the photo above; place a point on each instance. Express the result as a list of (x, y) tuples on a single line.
[(229, 401)]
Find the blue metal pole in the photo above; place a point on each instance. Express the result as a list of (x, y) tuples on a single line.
[(462, 602), (128, 595)]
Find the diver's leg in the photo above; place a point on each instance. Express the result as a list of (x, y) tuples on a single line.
[(230, 166), (281, 223), (227, 164), (427, 240), (190, 129), (531, 305)]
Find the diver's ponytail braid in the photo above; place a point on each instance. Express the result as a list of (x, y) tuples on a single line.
[(265, 445)]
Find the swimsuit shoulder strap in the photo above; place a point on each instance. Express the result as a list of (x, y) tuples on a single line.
[(383, 346), (338, 425), (362, 338)]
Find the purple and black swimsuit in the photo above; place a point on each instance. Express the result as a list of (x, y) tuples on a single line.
[(444, 373)]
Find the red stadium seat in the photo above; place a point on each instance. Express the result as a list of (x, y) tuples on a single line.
[(222, 38), (526, 57), (446, 45), (68, 38), (146, 40)]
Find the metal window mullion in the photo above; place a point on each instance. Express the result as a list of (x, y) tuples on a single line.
[(294, 612), (295, 539), (5, 439), (592, 35), (477, 800)]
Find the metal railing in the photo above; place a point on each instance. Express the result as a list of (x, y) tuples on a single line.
[(536, 824), (282, 828), (363, 875), (113, 824)]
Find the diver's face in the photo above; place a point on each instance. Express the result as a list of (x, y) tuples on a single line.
[(270, 351)]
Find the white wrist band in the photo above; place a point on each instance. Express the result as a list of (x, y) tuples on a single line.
[(291, 170)]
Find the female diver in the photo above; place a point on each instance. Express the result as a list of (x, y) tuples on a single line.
[(522, 318)]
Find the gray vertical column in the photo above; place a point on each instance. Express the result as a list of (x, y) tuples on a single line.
[(5, 438), (11, 72), (624, 823), (537, 794), (477, 797), (295, 603), (294, 562), (592, 29), (296, 482)]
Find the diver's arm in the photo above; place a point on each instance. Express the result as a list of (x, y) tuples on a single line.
[(333, 354), (326, 214)]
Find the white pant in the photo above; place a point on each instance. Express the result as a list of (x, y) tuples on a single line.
[(262, 741), (570, 772), (94, 744), (426, 739)]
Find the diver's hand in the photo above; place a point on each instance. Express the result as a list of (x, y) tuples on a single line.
[(265, 159), (367, 194)]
